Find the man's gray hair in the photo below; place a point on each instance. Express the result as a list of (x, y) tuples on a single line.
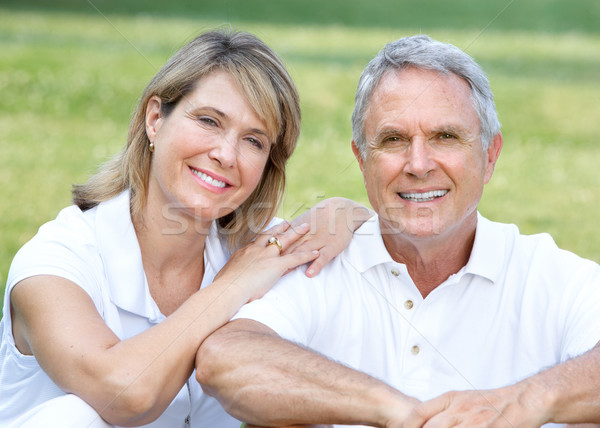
[(425, 53)]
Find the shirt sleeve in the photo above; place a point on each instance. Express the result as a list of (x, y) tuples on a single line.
[(290, 308), (566, 293), (65, 248), (582, 310)]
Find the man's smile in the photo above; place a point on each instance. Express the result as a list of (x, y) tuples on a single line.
[(423, 197)]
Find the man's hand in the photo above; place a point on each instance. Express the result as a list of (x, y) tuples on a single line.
[(568, 392), (293, 426), (499, 408)]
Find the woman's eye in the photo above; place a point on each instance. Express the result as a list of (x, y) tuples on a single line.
[(256, 143), (208, 121)]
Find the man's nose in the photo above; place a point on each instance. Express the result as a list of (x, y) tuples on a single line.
[(420, 161)]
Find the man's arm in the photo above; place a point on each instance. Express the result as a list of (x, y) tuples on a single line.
[(566, 393), (265, 380)]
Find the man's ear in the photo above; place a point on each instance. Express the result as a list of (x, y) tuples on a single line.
[(153, 117), (493, 153), (358, 155)]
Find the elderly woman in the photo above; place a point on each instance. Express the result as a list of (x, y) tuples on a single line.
[(107, 305)]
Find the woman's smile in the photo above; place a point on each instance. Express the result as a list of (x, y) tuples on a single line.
[(211, 181)]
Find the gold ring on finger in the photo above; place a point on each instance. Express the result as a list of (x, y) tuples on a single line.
[(274, 241)]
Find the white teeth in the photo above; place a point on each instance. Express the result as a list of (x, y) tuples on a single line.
[(423, 197), (208, 179)]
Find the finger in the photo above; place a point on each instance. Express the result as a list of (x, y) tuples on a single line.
[(291, 235), (442, 421), (291, 426), (276, 230), (420, 414), (292, 261), (305, 243), (325, 256)]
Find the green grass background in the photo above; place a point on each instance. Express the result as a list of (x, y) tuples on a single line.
[(71, 72)]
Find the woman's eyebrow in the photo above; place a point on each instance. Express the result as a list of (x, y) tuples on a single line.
[(223, 115)]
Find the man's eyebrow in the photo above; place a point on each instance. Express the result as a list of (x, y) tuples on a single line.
[(389, 132), (449, 129)]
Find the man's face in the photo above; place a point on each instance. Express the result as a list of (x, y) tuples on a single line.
[(425, 167)]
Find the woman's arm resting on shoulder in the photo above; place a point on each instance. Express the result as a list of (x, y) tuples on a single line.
[(265, 380), (332, 225), (133, 381)]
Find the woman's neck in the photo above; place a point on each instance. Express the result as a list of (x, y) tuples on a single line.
[(173, 259)]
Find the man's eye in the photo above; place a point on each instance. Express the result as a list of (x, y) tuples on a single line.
[(447, 136), (392, 140)]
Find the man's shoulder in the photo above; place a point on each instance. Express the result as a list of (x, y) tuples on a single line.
[(365, 250), (349, 263), (534, 251)]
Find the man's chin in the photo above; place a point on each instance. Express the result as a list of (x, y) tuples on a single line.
[(417, 228)]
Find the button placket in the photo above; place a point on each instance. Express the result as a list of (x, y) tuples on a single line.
[(413, 348)]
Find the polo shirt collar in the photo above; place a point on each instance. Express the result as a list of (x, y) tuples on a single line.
[(489, 248), (367, 249), (122, 258)]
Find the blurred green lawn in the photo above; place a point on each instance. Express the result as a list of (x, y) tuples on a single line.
[(71, 72)]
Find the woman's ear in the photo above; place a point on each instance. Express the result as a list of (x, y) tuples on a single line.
[(153, 117)]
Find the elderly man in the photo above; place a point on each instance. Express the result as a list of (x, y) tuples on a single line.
[(430, 299)]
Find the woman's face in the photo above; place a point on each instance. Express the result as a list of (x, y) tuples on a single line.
[(209, 152)]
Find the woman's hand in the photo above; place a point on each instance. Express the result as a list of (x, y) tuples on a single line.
[(257, 267), (332, 225)]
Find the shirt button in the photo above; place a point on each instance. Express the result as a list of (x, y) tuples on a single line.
[(415, 350), (395, 272), (408, 304)]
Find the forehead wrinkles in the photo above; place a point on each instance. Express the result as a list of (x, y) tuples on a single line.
[(414, 98)]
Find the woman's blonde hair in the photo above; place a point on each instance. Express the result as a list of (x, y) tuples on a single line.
[(266, 83)]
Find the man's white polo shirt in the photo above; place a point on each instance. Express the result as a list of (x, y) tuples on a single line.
[(519, 305)]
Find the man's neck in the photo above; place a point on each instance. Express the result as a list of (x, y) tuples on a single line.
[(430, 261)]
